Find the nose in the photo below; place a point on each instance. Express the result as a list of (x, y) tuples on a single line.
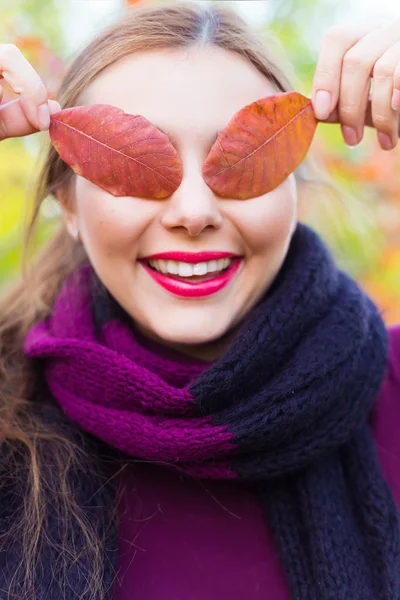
[(193, 207)]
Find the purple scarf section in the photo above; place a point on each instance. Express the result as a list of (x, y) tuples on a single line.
[(118, 390)]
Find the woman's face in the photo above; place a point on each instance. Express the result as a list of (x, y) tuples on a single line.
[(191, 94)]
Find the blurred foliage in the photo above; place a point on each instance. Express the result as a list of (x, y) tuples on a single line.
[(40, 20), (36, 29), (358, 216), (15, 166)]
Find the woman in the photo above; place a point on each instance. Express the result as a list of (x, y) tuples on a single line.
[(231, 442)]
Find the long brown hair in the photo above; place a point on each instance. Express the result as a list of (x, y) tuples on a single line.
[(29, 300)]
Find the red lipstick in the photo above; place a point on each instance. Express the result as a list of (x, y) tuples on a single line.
[(191, 257), (190, 289)]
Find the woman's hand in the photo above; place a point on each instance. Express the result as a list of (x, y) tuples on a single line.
[(350, 56), (20, 117)]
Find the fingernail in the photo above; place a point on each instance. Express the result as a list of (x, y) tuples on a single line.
[(44, 116), (350, 135), (396, 100), (385, 141), (54, 106), (322, 105)]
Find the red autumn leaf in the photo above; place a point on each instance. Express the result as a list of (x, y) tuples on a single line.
[(123, 154), (261, 145)]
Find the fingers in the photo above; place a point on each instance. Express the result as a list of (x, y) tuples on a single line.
[(336, 43), (351, 135), (385, 119), (13, 122), (349, 58), (359, 63), (24, 81)]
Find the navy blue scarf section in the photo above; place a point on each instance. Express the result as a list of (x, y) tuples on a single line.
[(296, 388)]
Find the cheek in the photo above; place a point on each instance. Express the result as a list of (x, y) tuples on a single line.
[(267, 220), (112, 224)]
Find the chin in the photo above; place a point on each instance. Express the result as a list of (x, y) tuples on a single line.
[(190, 336)]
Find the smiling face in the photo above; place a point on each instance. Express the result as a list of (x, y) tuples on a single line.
[(190, 94)]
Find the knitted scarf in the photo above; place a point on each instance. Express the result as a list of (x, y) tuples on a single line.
[(285, 409)]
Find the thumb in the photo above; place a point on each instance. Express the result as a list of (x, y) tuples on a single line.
[(54, 106)]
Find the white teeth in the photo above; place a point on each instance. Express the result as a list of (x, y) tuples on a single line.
[(183, 269), (200, 269), (172, 267), (213, 266), (163, 265)]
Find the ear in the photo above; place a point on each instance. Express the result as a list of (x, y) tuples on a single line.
[(68, 210)]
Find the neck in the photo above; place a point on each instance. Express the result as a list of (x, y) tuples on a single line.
[(207, 351)]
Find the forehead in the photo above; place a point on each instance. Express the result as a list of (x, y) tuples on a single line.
[(185, 92)]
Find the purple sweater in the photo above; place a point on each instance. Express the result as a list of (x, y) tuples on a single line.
[(183, 538)]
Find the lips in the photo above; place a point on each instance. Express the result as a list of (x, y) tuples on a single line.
[(188, 289), (191, 257)]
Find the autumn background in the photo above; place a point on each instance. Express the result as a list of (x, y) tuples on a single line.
[(353, 198)]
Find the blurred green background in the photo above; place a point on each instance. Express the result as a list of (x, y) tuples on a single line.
[(359, 217)]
